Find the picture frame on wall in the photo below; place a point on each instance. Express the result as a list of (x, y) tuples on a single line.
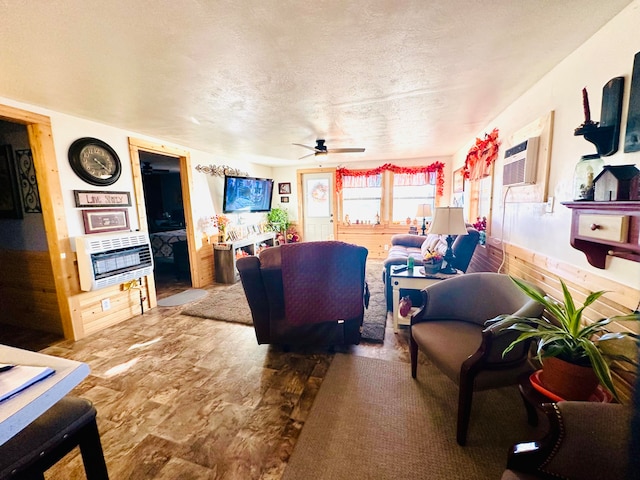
[(458, 180), (94, 199), (105, 220), (284, 199), (284, 188), (10, 202)]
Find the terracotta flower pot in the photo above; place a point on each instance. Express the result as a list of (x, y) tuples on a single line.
[(568, 380)]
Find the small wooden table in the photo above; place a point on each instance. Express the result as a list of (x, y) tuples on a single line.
[(411, 279), (20, 410)]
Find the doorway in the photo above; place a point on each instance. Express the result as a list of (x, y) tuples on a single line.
[(318, 204), (165, 222)]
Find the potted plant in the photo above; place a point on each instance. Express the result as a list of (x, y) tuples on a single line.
[(278, 219), (569, 343)]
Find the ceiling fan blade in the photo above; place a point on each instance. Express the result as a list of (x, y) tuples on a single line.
[(345, 150), (305, 146), (310, 155)]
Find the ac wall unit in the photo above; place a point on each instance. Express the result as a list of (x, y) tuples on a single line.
[(520, 163), (110, 259)]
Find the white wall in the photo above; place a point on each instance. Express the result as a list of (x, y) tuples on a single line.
[(608, 54), (207, 191)]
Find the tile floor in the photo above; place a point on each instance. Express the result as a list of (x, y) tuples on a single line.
[(181, 397)]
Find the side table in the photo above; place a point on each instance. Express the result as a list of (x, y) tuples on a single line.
[(414, 280)]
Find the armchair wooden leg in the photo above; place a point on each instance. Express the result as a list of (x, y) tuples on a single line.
[(413, 351), (465, 398)]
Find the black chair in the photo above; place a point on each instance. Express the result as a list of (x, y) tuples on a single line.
[(68, 424)]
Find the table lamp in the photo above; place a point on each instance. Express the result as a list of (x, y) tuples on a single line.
[(448, 221), (424, 210)]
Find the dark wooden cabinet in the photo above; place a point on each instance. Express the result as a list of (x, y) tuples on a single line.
[(599, 229)]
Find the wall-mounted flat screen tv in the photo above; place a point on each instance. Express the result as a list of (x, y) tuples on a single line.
[(246, 194)]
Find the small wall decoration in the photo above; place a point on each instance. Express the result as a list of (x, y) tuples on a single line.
[(284, 199), (92, 199), (28, 181), (105, 220), (220, 170), (10, 203), (458, 180), (617, 182), (632, 137), (284, 188)]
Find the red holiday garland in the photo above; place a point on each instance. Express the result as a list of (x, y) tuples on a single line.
[(484, 149), (437, 167)]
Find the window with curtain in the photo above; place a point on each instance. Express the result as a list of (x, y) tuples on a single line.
[(361, 198), (411, 190)]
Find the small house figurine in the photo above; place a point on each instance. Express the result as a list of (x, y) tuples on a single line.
[(617, 182)]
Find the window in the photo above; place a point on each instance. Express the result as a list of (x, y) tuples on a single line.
[(361, 198), (411, 190)]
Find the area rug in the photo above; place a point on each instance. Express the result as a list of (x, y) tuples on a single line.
[(370, 419), (182, 298), (229, 304)]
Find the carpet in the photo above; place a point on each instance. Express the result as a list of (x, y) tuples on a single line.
[(370, 419), (229, 304), (182, 298)]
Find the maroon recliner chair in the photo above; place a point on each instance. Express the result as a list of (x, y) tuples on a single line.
[(311, 293)]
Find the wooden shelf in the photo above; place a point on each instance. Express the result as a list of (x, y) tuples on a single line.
[(226, 254), (601, 229)]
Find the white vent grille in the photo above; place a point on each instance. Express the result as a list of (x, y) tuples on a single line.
[(520, 163), (111, 259)]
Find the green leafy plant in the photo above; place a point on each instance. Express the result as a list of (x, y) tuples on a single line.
[(278, 219), (569, 339)]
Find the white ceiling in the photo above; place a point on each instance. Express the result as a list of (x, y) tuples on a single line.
[(244, 79)]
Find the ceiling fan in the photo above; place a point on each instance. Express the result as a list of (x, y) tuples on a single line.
[(321, 149)]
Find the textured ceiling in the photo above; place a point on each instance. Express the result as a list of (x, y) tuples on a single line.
[(245, 79)]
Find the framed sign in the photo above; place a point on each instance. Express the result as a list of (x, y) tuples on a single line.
[(105, 220), (284, 199), (88, 199), (10, 204), (284, 188)]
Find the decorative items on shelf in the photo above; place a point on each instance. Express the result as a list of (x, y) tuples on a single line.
[(587, 169), (617, 182), (605, 134), (220, 222)]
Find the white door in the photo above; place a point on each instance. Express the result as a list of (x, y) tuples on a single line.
[(317, 195)]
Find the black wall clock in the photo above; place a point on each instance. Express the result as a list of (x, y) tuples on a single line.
[(94, 161)]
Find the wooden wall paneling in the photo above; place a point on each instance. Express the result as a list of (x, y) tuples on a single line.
[(545, 273), (29, 299)]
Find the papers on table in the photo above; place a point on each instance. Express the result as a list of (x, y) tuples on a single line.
[(19, 377)]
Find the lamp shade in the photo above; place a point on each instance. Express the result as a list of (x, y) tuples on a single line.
[(448, 221), (424, 210)]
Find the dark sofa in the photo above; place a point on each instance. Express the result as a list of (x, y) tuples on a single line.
[(405, 245)]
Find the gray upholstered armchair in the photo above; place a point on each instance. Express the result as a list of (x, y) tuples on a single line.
[(453, 328), (586, 441), (311, 293)]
